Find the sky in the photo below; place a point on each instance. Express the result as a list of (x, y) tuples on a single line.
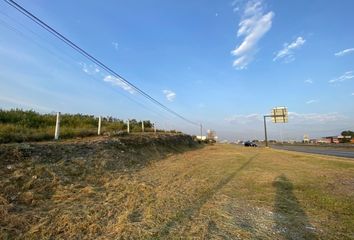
[(224, 64)]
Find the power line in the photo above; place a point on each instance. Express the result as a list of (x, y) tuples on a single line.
[(13, 28), (90, 57)]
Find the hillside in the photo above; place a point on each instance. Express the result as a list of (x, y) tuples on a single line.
[(43, 184)]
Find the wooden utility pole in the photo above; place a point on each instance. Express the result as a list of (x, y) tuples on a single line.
[(201, 132)]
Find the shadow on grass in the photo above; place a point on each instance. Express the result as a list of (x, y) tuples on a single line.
[(291, 220), (186, 214)]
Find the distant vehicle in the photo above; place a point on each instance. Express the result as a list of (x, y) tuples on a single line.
[(250, 144)]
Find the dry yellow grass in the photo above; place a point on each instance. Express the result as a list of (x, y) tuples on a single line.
[(217, 192)]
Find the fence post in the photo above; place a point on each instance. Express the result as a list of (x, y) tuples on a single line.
[(142, 126), (57, 127), (154, 128), (128, 126), (99, 125)]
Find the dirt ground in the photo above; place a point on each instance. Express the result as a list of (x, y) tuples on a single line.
[(172, 189)]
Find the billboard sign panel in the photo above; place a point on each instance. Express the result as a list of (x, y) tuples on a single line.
[(279, 115)]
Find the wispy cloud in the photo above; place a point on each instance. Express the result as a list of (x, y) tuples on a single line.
[(315, 117), (309, 81), (120, 83), (254, 24), (287, 53), (312, 101), (235, 5), (90, 69), (170, 95), (344, 52), (294, 118), (244, 119), (23, 103), (346, 76), (115, 45)]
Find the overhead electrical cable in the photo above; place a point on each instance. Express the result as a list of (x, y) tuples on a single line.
[(92, 58)]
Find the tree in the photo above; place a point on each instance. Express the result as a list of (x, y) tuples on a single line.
[(347, 133)]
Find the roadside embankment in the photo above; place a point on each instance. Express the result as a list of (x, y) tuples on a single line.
[(39, 180)]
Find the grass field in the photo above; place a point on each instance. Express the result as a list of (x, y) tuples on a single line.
[(216, 192)]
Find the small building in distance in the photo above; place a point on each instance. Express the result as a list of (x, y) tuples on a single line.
[(329, 139), (211, 135), (345, 139), (306, 139), (201, 137), (334, 139)]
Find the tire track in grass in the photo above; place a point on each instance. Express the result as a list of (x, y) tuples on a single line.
[(186, 214)]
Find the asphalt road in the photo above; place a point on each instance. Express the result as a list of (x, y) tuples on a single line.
[(348, 153)]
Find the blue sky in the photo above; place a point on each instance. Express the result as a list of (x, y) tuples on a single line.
[(223, 63)]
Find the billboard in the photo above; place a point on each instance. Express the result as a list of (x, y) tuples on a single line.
[(279, 115)]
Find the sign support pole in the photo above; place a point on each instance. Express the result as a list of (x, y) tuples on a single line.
[(265, 131), (265, 127)]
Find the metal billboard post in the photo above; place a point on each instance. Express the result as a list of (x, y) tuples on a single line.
[(278, 112), (265, 131)]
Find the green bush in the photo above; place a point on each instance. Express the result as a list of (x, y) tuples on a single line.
[(17, 125)]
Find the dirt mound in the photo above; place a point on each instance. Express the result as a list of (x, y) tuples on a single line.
[(36, 178)]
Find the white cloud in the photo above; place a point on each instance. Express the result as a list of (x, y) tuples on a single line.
[(170, 95), (120, 83), (245, 119), (312, 101), (317, 125), (287, 53), (315, 117), (90, 69), (236, 5), (309, 81), (115, 45), (353, 94), (346, 76), (253, 26), (344, 52), (294, 118)]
